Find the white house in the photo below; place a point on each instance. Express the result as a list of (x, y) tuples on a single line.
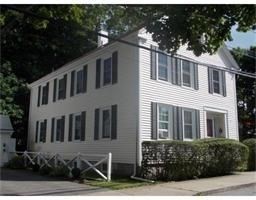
[(119, 95)]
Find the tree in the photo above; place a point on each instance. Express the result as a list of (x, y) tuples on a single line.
[(203, 28), (246, 89)]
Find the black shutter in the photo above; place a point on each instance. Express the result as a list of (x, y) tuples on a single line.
[(45, 128), (47, 93), (114, 67), (85, 69), (72, 85), (114, 122), (169, 66), (52, 131), (54, 89), (83, 125), (173, 70), (39, 96), (197, 125), (177, 123), (178, 71), (180, 123), (65, 86), (96, 123), (62, 128), (98, 69), (70, 127), (36, 137), (153, 62), (224, 91), (210, 83), (196, 82), (154, 133)]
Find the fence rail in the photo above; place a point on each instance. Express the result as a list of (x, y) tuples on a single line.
[(68, 160)]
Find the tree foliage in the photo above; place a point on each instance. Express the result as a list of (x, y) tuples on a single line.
[(246, 90)]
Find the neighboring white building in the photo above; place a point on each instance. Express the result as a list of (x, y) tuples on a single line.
[(116, 97)]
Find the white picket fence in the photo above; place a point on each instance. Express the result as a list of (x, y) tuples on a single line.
[(68, 159)]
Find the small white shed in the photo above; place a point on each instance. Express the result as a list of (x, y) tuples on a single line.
[(7, 143)]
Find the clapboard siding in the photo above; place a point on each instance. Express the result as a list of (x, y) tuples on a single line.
[(167, 93), (123, 93)]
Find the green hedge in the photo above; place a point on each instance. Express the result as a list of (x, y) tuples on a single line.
[(179, 160), (251, 144), (17, 162)]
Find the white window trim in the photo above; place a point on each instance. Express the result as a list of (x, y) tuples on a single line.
[(101, 122), (157, 68), (55, 130), (192, 75), (102, 72), (75, 81), (220, 82), (193, 124), (169, 131), (73, 127), (39, 131)]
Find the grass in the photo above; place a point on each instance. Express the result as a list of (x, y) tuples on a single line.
[(117, 183)]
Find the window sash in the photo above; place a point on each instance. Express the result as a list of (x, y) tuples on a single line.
[(163, 122), (44, 95), (188, 124), (106, 123), (42, 131), (216, 82), (79, 81), (58, 130), (107, 71), (187, 74), (77, 127), (61, 89), (162, 67)]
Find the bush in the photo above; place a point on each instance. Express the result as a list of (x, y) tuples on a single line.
[(251, 144), (60, 171), (45, 170), (178, 160), (35, 167), (16, 162), (76, 172)]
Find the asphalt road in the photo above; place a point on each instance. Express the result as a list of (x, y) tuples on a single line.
[(248, 191)]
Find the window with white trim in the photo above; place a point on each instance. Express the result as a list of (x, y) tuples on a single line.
[(107, 71), (44, 95), (163, 122), (42, 130), (79, 81), (61, 88), (162, 67), (188, 124), (77, 127), (187, 74), (105, 123), (58, 129), (216, 80)]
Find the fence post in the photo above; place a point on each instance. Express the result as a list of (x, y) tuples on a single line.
[(38, 159), (25, 158), (78, 160), (109, 166)]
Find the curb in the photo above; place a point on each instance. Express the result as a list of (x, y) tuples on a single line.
[(225, 189)]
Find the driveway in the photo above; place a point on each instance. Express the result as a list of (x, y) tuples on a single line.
[(24, 182)]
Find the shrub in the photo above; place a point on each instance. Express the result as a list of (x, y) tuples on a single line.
[(35, 167), (60, 171), (45, 170), (178, 160), (16, 162), (251, 144), (76, 172)]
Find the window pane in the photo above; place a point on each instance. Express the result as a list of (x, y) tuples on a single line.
[(185, 66), (78, 127), (107, 71), (61, 89), (79, 82), (216, 87), (58, 130), (44, 96), (188, 131), (163, 134), (186, 79), (106, 124), (163, 114), (162, 67), (42, 130), (163, 124), (186, 73), (187, 117), (216, 75)]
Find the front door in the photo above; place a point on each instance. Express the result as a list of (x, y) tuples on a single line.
[(210, 128)]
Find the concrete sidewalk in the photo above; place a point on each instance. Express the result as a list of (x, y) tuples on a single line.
[(205, 186)]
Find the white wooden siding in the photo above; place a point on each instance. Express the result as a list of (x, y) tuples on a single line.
[(167, 93), (123, 93)]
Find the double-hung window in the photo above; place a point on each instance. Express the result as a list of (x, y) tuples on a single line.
[(42, 130), (61, 89), (216, 80), (163, 122), (188, 124), (162, 67), (106, 123), (187, 73), (79, 81), (58, 130), (107, 71), (77, 127), (45, 90)]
